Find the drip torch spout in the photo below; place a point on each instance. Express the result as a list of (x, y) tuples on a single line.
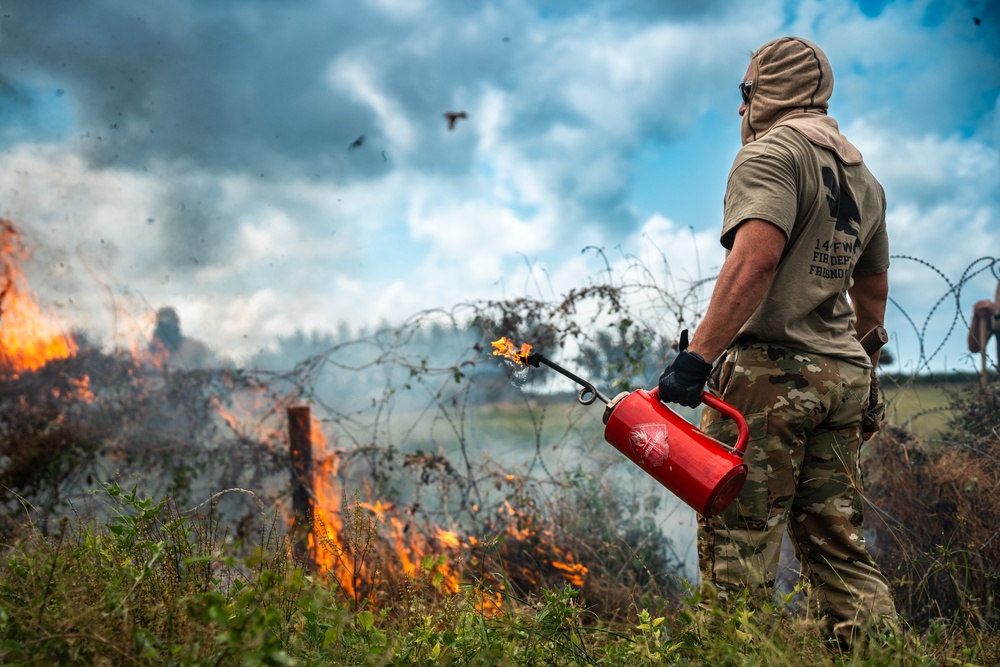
[(589, 392)]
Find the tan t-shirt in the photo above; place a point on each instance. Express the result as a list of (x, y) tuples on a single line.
[(833, 216)]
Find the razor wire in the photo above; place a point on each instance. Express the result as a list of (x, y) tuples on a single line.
[(954, 290), (400, 360)]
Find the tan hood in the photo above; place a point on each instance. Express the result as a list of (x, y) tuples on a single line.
[(792, 85)]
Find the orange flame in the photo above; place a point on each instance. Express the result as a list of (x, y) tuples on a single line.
[(334, 527), (342, 537), (28, 340), (573, 572), (80, 390), (506, 349), (360, 543), (326, 543)]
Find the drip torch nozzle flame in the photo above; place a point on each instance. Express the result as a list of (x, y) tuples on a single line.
[(505, 348)]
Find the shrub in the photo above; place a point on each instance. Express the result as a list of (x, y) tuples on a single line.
[(938, 509)]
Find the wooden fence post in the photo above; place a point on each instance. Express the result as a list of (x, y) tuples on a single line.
[(300, 450)]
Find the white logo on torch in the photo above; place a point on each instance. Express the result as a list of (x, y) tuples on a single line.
[(649, 443)]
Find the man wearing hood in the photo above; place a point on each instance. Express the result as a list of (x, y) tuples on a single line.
[(805, 273)]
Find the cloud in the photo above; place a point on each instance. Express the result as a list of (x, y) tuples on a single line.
[(356, 81), (943, 218), (198, 153), (938, 189), (244, 88), (897, 65)]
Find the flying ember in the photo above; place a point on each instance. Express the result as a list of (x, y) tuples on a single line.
[(505, 348)]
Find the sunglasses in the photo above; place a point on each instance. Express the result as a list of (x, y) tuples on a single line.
[(745, 88)]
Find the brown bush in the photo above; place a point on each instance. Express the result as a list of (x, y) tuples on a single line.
[(936, 524)]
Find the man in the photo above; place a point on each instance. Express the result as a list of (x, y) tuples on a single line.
[(804, 226), (985, 322)]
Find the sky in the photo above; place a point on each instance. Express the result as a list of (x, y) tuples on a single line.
[(272, 166)]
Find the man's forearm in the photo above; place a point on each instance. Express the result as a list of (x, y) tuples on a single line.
[(740, 289), (869, 295), (734, 300)]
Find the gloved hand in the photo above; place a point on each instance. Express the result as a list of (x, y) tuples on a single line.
[(683, 380)]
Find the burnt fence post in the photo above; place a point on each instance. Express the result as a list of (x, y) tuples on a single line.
[(300, 451)]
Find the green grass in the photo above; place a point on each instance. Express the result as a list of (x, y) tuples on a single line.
[(151, 587), (922, 408)]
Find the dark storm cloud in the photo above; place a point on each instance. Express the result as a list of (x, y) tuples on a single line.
[(245, 86), (257, 88), (235, 86)]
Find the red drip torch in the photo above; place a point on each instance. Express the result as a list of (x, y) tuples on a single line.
[(703, 472)]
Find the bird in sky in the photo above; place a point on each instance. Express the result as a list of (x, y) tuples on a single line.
[(357, 143), (453, 116)]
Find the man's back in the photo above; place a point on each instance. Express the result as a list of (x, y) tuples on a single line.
[(833, 215)]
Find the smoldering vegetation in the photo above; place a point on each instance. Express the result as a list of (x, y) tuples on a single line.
[(418, 426)]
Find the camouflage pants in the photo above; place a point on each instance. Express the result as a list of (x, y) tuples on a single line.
[(804, 413)]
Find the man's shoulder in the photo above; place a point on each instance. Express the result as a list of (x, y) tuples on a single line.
[(781, 143)]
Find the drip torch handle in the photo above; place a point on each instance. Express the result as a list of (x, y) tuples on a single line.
[(743, 431), (589, 392)]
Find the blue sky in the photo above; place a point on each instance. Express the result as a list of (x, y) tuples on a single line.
[(197, 154)]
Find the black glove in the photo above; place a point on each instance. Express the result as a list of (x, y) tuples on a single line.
[(684, 379)]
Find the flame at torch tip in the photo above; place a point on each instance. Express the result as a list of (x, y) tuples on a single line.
[(506, 349)]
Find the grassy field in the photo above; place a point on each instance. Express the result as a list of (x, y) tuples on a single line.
[(922, 408), (151, 587), (557, 431)]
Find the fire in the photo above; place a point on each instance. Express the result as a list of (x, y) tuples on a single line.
[(506, 349), (370, 547), (79, 390), (548, 549), (247, 415), (342, 534), (28, 340), (573, 572), (326, 543), (447, 537)]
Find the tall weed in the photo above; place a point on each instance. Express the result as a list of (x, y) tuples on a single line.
[(937, 512)]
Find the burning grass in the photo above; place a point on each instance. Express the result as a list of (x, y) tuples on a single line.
[(154, 586), (80, 421), (95, 417), (533, 537)]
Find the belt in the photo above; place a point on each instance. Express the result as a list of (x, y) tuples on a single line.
[(748, 339)]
